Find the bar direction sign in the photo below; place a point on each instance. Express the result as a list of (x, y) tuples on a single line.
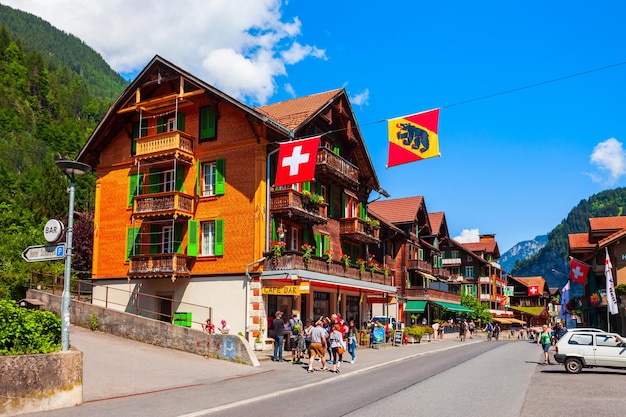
[(42, 253)]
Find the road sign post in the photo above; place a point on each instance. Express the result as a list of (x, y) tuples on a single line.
[(42, 253)]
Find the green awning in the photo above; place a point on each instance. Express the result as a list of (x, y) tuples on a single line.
[(415, 306), (454, 307)]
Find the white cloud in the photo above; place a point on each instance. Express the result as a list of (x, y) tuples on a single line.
[(240, 46), (468, 236), (361, 99), (610, 159), (290, 90)]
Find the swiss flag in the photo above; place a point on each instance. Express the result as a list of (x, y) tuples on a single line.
[(578, 271), (296, 161), (533, 290)]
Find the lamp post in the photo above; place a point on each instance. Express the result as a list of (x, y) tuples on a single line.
[(70, 169)]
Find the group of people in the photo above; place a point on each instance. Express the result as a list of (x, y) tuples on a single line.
[(209, 327), (331, 335)]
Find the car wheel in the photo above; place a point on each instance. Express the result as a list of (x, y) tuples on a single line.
[(573, 365)]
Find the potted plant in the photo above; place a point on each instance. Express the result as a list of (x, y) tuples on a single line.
[(328, 257), (372, 265), (373, 223), (415, 333), (277, 247), (307, 253), (345, 261), (258, 341), (361, 264), (385, 270), (594, 299), (312, 198)]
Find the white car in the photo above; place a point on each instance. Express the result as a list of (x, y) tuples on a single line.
[(589, 349)]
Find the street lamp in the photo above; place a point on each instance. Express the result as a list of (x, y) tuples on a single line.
[(70, 169)]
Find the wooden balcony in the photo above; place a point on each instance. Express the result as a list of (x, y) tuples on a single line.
[(417, 265), (294, 260), (442, 272), (165, 145), (429, 294), (334, 167), (357, 230), (451, 261), (171, 265), (173, 204), (291, 203)]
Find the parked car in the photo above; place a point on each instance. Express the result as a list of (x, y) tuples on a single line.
[(585, 329), (589, 349)]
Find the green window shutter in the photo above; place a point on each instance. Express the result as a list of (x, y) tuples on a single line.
[(274, 233), (420, 254), (318, 244), (361, 211), (440, 262), (178, 237), (318, 187), (220, 176), (198, 178), (180, 178), (134, 189), (207, 123), (343, 205), (219, 237), (132, 242), (193, 231), (154, 178), (336, 149), (306, 186), (155, 239), (305, 235), (133, 140), (326, 242), (160, 127), (331, 202), (180, 122)]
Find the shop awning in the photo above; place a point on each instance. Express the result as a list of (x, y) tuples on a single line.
[(299, 274), (454, 307), (516, 321), (502, 320), (415, 306)]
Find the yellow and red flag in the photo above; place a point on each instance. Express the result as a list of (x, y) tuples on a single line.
[(413, 138)]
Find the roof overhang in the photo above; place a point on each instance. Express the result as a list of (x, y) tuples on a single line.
[(299, 274)]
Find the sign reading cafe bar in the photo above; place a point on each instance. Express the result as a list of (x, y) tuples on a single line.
[(303, 288)]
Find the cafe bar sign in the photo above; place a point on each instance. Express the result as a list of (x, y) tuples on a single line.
[(303, 288)]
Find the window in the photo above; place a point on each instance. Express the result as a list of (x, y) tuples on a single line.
[(607, 340), (455, 254), (167, 239), (169, 125), (212, 237), (208, 124), (293, 239), (469, 272), (168, 181), (581, 339), (213, 180)]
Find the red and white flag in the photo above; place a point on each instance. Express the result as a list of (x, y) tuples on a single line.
[(296, 161), (611, 297), (533, 290), (578, 271)]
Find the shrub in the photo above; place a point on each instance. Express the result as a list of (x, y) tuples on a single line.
[(24, 332)]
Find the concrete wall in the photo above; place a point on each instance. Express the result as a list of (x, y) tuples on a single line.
[(31, 383), (228, 347)]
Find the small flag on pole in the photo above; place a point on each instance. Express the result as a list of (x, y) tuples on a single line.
[(564, 300), (578, 271), (413, 138), (611, 297), (296, 161)]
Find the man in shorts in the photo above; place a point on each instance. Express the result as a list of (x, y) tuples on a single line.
[(319, 342)]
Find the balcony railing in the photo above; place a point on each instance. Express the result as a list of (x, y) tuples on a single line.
[(416, 264), (291, 261), (163, 204), (291, 202), (357, 230), (484, 280), (168, 143), (171, 265), (431, 295), (331, 164), (451, 261), (442, 272)]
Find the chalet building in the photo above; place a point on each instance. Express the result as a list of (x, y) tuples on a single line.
[(186, 218), (604, 233), (412, 249), (529, 302)]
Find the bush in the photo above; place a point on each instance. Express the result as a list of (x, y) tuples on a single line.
[(24, 332), (415, 331)]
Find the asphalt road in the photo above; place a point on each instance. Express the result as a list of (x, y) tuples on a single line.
[(441, 378)]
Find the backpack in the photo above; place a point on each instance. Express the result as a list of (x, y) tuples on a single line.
[(295, 326)]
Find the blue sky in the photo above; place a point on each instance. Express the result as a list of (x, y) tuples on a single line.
[(512, 165)]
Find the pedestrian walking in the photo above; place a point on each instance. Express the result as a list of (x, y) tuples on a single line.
[(278, 326), (352, 340), (319, 340), (336, 346), (496, 331), (545, 341), (489, 329), (471, 327)]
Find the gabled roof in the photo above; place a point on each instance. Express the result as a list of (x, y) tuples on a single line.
[(597, 224), (489, 246), (296, 112), (160, 72), (579, 241), (385, 221), (437, 221), (528, 281), (399, 210)]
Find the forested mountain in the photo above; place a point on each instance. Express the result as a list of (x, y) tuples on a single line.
[(554, 255), (53, 91), (522, 250)]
